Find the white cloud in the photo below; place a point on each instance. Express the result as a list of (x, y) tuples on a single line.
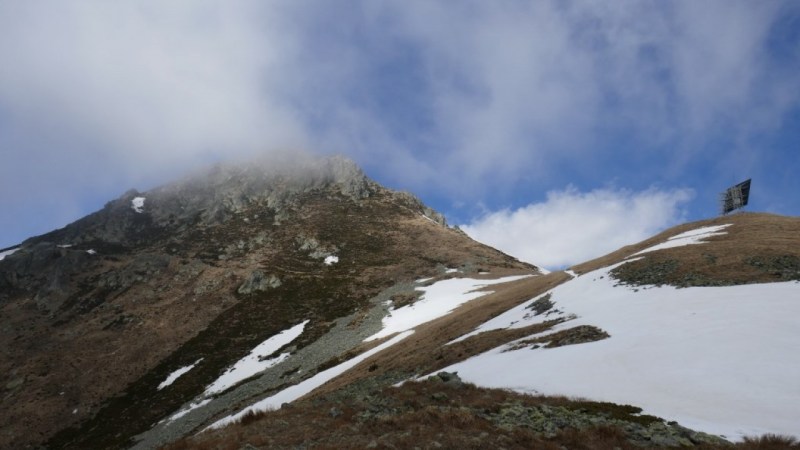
[(147, 81), (518, 87), (457, 98), (97, 97), (571, 227), (151, 84)]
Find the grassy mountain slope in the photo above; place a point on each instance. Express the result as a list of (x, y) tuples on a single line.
[(97, 314), (357, 409)]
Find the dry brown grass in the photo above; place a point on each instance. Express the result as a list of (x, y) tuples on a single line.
[(769, 442), (432, 414), (723, 259), (411, 416)]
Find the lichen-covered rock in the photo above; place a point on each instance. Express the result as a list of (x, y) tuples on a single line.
[(450, 378), (541, 305), (257, 281)]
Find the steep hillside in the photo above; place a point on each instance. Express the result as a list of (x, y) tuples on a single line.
[(125, 317), (750, 248), (695, 325)]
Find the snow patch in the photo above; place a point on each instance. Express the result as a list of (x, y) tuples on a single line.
[(451, 271), (571, 273), (177, 374), (246, 367), (437, 300), (5, 253), (137, 204), (192, 406), (718, 359), (294, 392), (692, 237), (254, 363), (64, 245), (91, 251), (330, 260)]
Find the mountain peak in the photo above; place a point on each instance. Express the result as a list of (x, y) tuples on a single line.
[(214, 195), (273, 182), (112, 304)]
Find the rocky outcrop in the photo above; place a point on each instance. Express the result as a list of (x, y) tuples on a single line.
[(43, 270), (226, 190), (412, 202), (258, 282), (211, 197)]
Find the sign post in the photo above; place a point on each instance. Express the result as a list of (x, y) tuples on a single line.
[(735, 197)]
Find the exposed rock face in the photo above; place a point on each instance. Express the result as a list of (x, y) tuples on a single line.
[(213, 196), (258, 282), (97, 314), (206, 199)]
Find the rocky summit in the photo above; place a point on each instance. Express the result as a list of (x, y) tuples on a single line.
[(96, 315)]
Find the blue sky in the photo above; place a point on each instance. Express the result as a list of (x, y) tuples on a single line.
[(554, 130)]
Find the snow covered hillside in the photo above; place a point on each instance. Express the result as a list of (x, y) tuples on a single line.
[(673, 341), (722, 360)]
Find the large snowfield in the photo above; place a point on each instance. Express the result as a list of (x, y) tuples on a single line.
[(723, 360)]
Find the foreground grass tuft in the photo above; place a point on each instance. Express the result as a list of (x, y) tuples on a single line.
[(770, 442)]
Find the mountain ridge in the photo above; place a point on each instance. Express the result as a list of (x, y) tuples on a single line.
[(97, 310), (117, 326)]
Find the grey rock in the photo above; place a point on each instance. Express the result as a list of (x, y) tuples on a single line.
[(44, 270), (412, 202), (439, 396), (450, 378), (15, 383), (142, 267), (257, 281), (541, 305)]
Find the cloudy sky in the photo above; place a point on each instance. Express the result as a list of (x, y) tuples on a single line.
[(556, 130)]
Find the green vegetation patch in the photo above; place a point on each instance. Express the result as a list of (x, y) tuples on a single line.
[(541, 305), (783, 267), (646, 272), (652, 271), (577, 335), (620, 412)]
